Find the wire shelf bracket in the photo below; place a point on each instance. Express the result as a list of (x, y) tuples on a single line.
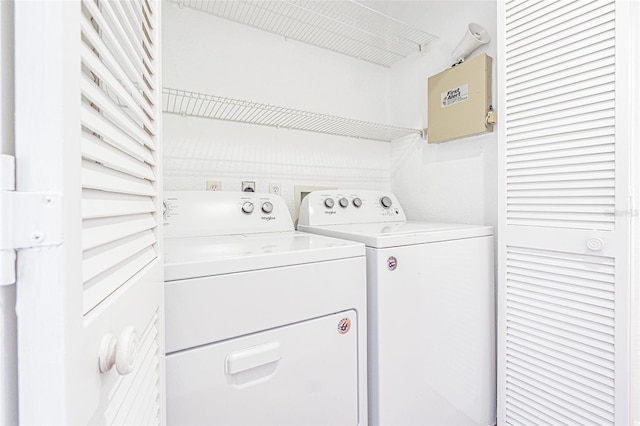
[(194, 104), (344, 26)]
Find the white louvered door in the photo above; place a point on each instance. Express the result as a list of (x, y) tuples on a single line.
[(563, 252), (90, 287)]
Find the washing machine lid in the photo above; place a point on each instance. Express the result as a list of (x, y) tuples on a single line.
[(393, 234), (194, 257)]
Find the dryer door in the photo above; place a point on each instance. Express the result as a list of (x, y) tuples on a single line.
[(304, 373)]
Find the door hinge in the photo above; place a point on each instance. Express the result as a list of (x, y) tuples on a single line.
[(27, 220)]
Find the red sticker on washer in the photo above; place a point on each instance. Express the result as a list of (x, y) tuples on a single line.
[(392, 263), (344, 325)]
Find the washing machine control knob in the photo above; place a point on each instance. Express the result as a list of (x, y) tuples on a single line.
[(329, 203), (357, 202), (343, 202), (247, 207), (385, 202), (267, 207)]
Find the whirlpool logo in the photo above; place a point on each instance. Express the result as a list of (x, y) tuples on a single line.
[(268, 218)]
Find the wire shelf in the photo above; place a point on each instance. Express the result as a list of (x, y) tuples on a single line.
[(187, 103), (343, 26)]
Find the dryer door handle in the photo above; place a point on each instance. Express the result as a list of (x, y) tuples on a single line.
[(252, 357)]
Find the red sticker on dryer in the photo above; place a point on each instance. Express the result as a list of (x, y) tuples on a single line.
[(392, 263), (344, 325)]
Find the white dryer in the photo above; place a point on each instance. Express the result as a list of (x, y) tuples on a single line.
[(431, 309), (264, 325)]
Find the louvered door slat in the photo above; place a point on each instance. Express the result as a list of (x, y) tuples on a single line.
[(111, 40), (149, 9), (113, 112), (131, 405), (97, 150), (591, 84), (548, 145), (516, 7), (520, 413), (568, 110), (583, 82), (578, 159), (97, 232), (569, 47), (557, 124), (102, 286), (567, 409), (593, 368), (576, 126), (601, 306), (519, 320), (110, 256), (533, 172), (96, 176), (560, 150), (113, 135), (603, 409), (585, 287), (579, 32), (133, 108), (131, 48), (121, 70), (553, 25), (597, 353), (532, 12), (563, 65), (552, 177), (594, 385), (119, 122), (103, 204)]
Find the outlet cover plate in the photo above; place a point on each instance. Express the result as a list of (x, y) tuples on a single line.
[(214, 185), (249, 186)]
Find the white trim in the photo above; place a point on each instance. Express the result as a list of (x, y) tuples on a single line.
[(501, 322), (8, 322), (47, 159), (634, 158)]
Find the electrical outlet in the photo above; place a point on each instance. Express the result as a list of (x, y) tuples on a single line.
[(214, 185), (274, 188), (248, 186)]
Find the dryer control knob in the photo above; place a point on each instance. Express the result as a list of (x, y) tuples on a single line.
[(247, 207), (357, 202), (267, 207), (385, 202), (329, 203), (343, 202)]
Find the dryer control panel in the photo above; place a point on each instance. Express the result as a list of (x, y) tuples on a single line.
[(336, 207), (208, 213)]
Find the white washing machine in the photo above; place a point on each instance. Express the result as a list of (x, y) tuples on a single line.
[(264, 325), (431, 309)]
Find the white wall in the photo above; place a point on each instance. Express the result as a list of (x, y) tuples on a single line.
[(204, 53), (454, 181), (8, 321)]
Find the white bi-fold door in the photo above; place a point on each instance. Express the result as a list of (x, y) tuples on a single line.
[(564, 234), (89, 269)]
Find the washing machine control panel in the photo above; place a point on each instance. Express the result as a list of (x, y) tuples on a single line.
[(208, 213), (335, 207)]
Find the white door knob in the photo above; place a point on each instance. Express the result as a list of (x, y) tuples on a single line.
[(120, 352), (595, 244)]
